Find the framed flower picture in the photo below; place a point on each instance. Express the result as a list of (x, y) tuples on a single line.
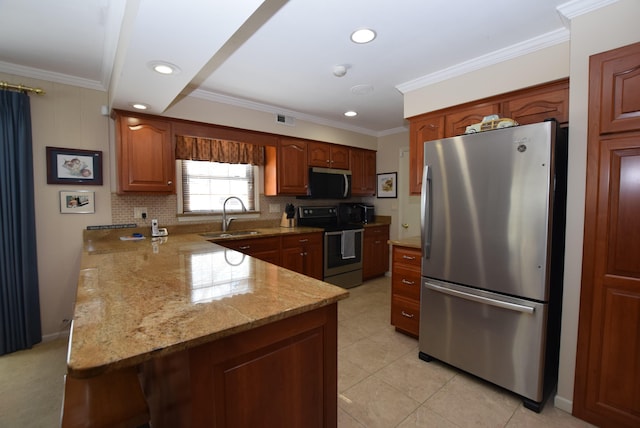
[(74, 166), (388, 185)]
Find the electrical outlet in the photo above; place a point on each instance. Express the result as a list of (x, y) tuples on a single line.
[(274, 208), (139, 212)]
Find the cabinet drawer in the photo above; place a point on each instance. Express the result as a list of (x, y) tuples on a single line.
[(407, 256), (292, 241), (406, 282), (405, 315), (253, 245)]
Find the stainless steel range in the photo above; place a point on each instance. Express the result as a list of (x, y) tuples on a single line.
[(342, 245)]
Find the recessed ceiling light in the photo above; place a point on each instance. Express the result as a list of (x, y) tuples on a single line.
[(350, 113), (363, 35), (139, 106), (164, 67)]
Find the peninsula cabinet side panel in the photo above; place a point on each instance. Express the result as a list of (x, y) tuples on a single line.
[(281, 374)]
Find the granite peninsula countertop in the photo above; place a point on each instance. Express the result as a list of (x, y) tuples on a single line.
[(137, 300)]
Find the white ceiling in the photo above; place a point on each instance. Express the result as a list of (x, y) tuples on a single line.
[(270, 55)]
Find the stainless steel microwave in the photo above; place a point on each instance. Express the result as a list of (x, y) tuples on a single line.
[(329, 183)]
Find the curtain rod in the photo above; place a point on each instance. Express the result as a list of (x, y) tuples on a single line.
[(6, 85)]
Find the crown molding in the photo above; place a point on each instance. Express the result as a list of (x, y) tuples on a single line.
[(267, 108), (510, 52), (574, 8), (50, 76)]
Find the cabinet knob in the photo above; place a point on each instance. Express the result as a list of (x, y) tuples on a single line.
[(405, 225), (169, 182)]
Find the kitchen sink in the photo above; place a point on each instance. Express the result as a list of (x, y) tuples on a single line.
[(229, 234)]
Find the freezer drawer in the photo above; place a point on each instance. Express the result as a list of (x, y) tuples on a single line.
[(498, 338)]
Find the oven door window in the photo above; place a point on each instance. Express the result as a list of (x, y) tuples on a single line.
[(333, 251)]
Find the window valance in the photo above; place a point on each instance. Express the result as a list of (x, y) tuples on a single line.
[(208, 149)]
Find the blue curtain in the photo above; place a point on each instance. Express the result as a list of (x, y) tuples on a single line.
[(19, 298)]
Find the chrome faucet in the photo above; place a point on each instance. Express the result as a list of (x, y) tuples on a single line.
[(225, 222)]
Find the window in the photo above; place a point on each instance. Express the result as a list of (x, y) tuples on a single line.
[(206, 185)]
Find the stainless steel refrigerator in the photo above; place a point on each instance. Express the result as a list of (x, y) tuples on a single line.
[(493, 220)]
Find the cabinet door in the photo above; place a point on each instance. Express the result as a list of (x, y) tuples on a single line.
[(607, 377), (339, 157), (424, 128), (620, 103), (375, 259), (292, 170), (363, 172), (303, 253), (328, 155), (538, 106), (457, 121), (319, 154), (146, 162)]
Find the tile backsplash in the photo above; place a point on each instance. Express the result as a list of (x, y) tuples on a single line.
[(164, 207)]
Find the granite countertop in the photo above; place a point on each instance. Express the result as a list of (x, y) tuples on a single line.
[(137, 300), (412, 242)]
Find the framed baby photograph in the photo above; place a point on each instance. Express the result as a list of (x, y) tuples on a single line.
[(74, 166), (77, 202)]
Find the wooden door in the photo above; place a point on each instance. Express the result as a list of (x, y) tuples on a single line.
[(607, 385)]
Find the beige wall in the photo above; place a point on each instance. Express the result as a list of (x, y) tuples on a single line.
[(70, 117), (607, 28)]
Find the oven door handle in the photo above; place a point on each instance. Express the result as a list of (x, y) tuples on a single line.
[(340, 232)]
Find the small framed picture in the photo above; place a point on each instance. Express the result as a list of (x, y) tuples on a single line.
[(388, 185), (77, 202), (74, 166)]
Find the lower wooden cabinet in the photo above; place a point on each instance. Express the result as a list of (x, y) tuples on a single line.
[(303, 253), (282, 374), (405, 289), (267, 249), (375, 258)]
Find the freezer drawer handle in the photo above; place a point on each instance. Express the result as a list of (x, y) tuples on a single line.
[(480, 299)]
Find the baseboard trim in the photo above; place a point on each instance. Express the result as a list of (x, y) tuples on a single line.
[(563, 404), (55, 336)]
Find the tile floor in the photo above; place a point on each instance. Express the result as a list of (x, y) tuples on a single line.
[(383, 383)]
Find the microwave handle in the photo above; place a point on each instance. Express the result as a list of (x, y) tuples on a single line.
[(346, 186)]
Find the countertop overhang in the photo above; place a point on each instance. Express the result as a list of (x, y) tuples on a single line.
[(138, 300)]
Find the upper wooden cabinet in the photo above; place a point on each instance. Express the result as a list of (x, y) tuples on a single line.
[(286, 171), (423, 128), (457, 121), (537, 105), (363, 172), (146, 162), (531, 105), (328, 155)]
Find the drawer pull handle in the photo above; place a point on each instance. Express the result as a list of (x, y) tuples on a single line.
[(404, 314), (303, 240), (404, 281), (244, 247), (408, 257)]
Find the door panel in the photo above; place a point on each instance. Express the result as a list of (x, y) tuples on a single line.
[(607, 385)]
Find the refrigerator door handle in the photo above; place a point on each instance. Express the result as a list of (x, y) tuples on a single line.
[(426, 212), (480, 299)]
